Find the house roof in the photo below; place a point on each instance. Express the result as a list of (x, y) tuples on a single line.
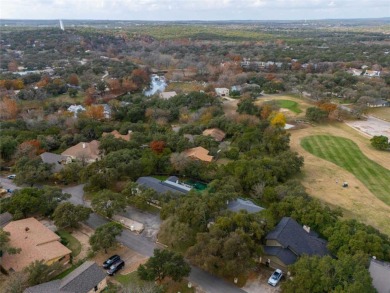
[(163, 186), (81, 280), (291, 235), (379, 102), (116, 134), (167, 95), (380, 274), (215, 133), (84, 150), (36, 242), (55, 159), (242, 204), (198, 153), (5, 218), (284, 254)]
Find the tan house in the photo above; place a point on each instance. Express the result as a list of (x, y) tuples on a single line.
[(215, 133), (222, 92), (87, 278), (36, 243), (84, 151), (198, 153), (117, 135)]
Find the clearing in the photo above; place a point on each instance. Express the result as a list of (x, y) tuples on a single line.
[(291, 106), (346, 154), (320, 177)]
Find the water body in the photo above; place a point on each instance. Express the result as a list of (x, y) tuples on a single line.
[(157, 84)]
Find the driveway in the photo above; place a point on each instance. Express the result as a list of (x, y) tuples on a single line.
[(371, 127), (8, 183), (77, 194), (151, 221)]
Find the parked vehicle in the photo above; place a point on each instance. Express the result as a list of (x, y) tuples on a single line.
[(111, 260), (275, 277), (12, 176), (116, 267)]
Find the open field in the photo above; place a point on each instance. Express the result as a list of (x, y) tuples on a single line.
[(291, 105), (346, 154), (381, 113), (319, 176)]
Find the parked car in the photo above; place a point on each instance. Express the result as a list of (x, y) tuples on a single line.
[(12, 176), (275, 277), (113, 259), (116, 267)]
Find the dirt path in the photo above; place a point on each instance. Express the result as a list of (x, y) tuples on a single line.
[(323, 179), (83, 235)]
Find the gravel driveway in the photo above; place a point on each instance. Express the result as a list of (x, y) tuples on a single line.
[(371, 127)]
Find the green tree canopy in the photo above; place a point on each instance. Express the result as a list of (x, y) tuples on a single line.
[(69, 215), (105, 236), (107, 203), (164, 264), (4, 243), (31, 171), (380, 142)]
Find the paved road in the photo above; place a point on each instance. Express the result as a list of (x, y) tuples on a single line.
[(144, 245), (8, 184)]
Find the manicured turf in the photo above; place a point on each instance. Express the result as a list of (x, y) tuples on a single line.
[(73, 243), (291, 105), (346, 154)]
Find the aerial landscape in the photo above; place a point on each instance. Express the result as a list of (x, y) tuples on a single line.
[(188, 146)]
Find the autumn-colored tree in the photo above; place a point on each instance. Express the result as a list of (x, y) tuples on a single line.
[(13, 66), (74, 79), (296, 66), (140, 77), (114, 85), (90, 94), (266, 110), (44, 81), (8, 108), (157, 146), (129, 85), (29, 148), (17, 84), (278, 120), (95, 112), (327, 107)]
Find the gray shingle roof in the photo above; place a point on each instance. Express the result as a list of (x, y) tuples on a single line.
[(81, 280), (291, 235), (162, 186), (55, 159), (243, 204), (284, 254)]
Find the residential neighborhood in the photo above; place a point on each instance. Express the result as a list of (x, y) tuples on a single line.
[(194, 156)]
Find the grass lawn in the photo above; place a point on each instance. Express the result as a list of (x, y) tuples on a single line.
[(291, 105), (73, 243), (346, 154)]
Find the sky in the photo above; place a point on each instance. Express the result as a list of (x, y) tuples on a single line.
[(193, 10)]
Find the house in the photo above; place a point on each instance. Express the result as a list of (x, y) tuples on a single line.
[(172, 184), (288, 241), (167, 95), (106, 111), (58, 161), (355, 72), (5, 218), (380, 274), (372, 73), (76, 109), (36, 241), (222, 92), (240, 204), (84, 151), (87, 278), (215, 133), (198, 153), (378, 103), (117, 135)]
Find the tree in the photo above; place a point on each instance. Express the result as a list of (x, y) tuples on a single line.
[(315, 114), (164, 264), (325, 274), (31, 171), (73, 79), (246, 106), (157, 146), (8, 147), (4, 243), (95, 112), (38, 272), (380, 142), (69, 215), (105, 236), (107, 203), (278, 120), (8, 108), (72, 92)]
